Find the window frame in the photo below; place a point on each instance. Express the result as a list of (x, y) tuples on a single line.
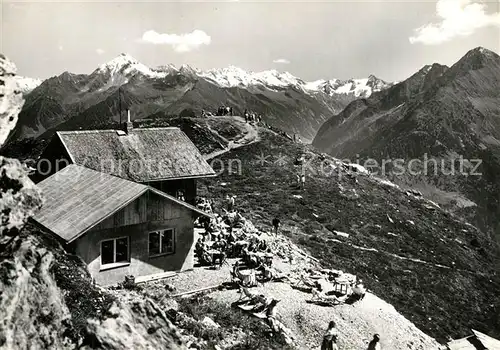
[(114, 264), (160, 245)]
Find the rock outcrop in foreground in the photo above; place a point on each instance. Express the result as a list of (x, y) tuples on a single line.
[(11, 101), (47, 299), (49, 302)]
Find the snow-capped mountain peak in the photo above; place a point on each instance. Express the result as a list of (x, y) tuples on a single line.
[(122, 68), (26, 85), (169, 68), (126, 65), (187, 69), (358, 87), (118, 63), (234, 76)]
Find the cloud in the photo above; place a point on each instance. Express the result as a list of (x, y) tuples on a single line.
[(180, 43), (99, 51), (282, 61), (458, 18)]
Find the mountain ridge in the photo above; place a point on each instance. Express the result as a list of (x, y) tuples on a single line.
[(442, 113), (285, 101), (230, 76)]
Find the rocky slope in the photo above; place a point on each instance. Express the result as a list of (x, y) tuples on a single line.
[(427, 262), (47, 299), (11, 98), (80, 100), (441, 113)]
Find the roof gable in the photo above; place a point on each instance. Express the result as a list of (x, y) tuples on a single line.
[(143, 155), (78, 198)]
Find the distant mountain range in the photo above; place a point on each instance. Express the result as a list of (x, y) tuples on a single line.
[(83, 101), (439, 112)]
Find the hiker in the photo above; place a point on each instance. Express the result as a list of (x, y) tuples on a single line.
[(230, 203), (276, 225), (375, 343), (303, 180), (330, 338)]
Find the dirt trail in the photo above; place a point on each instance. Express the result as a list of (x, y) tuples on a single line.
[(356, 323), (251, 135)]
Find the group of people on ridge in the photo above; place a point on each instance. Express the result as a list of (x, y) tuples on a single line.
[(252, 117), (223, 110)]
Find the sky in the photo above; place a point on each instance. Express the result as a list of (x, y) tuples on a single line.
[(311, 40)]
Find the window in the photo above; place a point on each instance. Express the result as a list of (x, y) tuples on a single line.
[(114, 251), (161, 242)]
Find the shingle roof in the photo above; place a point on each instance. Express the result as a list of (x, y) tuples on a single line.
[(78, 198), (148, 154)]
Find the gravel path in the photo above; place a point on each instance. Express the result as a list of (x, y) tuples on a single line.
[(356, 323), (251, 136)]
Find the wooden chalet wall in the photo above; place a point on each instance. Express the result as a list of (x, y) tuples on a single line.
[(147, 213), (188, 186)]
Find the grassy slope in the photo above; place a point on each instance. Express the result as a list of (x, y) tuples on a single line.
[(434, 298)]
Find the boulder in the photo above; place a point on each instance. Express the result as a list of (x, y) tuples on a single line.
[(141, 325), (19, 197), (11, 100), (208, 322)]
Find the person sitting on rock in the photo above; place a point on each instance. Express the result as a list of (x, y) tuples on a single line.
[(199, 247)]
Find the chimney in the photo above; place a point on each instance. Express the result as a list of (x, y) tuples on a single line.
[(128, 125)]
